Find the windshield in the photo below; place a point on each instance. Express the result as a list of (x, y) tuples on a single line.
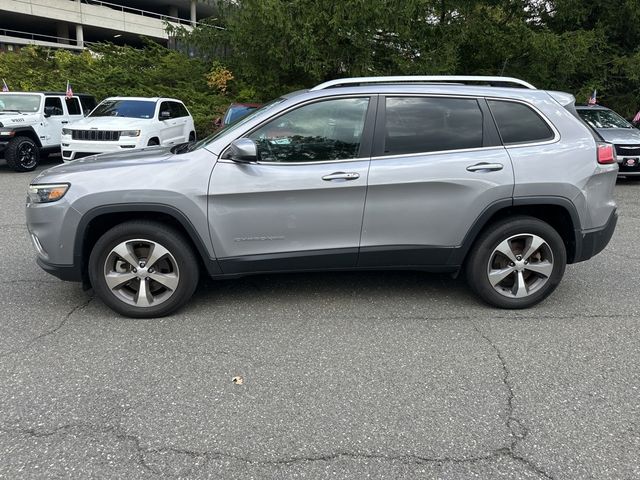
[(19, 103), (231, 127), (125, 108), (604, 119), (237, 112)]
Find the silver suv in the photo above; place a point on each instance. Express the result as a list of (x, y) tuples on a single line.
[(485, 175)]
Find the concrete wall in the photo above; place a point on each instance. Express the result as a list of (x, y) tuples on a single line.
[(91, 15)]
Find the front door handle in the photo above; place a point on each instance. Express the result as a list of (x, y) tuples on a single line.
[(341, 176), (489, 167), (64, 121)]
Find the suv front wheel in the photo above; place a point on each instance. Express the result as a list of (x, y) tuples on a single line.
[(516, 262), (143, 269), (22, 154)]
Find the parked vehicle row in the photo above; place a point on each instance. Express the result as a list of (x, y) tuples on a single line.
[(505, 185), (33, 125), (616, 130)]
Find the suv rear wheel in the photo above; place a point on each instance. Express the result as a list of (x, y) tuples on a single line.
[(517, 262), (22, 154), (143, 269)]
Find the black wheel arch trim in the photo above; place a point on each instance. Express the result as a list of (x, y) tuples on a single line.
[(31, 133), (211, 264), (459, 255)]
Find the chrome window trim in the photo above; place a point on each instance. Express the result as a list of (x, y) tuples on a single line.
[(293, 107), (439, 152), (359, 159)]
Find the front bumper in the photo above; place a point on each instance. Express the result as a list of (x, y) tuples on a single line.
[(69, 273), (73, 149), (594, 241)]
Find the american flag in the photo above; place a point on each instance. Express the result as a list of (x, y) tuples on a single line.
[(636, 119), (5, 87), (592, 98), (69, 93)]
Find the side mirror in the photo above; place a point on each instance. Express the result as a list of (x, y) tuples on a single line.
[(243, 150), (165, 115)]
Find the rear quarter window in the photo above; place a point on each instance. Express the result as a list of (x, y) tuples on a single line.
[(519, 123)]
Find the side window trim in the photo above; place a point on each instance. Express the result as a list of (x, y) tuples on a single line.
[(490, 133), (366, 140), (488, 126), (552, 127)]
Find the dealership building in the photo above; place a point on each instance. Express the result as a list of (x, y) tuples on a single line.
[(72, 24)]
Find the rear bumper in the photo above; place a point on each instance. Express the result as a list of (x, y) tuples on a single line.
[(594, 241)]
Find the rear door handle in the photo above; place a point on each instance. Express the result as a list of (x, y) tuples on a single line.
[(490, 167), (341, 176), (64, 121)]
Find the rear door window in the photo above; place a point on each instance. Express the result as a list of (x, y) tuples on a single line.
[(518, 123), (73, 106), (431, 124), (177, 110)]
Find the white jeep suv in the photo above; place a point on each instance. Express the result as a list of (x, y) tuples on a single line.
[(119, 124)]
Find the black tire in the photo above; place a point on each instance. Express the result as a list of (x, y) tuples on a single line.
[(153, 142), (22, 154), (192, 137), (172, 240), (477, 266)]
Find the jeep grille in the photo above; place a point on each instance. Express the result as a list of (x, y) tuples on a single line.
[(97, 135)]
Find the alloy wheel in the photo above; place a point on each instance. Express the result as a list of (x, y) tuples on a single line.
[(141, 273), (27, 157), (520, 265)]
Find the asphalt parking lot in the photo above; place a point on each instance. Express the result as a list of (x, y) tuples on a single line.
[(350, 375)]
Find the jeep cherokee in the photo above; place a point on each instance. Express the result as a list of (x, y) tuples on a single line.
[(485, 175)]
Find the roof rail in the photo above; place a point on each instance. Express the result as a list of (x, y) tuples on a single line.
[(422, 79)]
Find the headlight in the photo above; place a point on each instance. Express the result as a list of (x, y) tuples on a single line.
[(130, 133), (47, 193), (66, 131)]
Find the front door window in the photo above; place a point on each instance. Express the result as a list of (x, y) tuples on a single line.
[(323, 131)]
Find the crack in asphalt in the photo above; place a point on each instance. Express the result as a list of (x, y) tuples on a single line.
[(202, 458), (51, 331), (518, 431)]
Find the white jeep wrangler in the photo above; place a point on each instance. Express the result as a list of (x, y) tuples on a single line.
[(31, 124)]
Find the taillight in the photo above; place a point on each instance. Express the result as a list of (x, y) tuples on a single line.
[(606, 154)]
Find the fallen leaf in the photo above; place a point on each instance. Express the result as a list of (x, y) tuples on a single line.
[(238, 380)]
